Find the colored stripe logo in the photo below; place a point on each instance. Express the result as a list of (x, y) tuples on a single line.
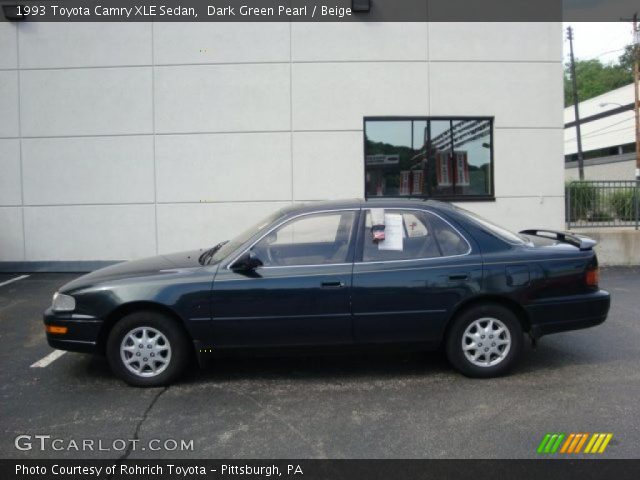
[(574, 443)]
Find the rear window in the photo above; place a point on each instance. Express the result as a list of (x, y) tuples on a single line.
[(500, 232)]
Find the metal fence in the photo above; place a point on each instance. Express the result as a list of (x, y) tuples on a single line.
[(606, 203)]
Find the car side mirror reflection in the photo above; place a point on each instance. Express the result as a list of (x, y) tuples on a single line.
[(247, 262)]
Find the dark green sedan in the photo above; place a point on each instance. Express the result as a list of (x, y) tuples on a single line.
[(347, 274)]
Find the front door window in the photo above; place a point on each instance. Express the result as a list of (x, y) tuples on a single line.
[(317, 239)]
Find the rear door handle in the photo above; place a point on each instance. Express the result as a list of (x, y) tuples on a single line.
[(458, 277), (332, 284)]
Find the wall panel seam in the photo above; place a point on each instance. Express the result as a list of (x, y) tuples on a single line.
[(291, 168), (247, 132), (19, 79), (153, 127), (281, 62), (195, 202)]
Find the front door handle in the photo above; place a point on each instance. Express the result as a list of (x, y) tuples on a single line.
[(332, 284), (458, 277)]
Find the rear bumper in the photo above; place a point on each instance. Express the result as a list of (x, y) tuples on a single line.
[(568, 313), (82, 333)]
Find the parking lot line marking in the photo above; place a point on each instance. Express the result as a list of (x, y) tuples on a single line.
[(49, 359), (21, 277)]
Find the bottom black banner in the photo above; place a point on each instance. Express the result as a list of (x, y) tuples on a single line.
[(319, 469)]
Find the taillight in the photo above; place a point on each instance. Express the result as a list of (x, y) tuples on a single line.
[(592, 276)]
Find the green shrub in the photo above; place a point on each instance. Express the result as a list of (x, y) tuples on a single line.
[(583, 197), (622, 203), (600, 216)]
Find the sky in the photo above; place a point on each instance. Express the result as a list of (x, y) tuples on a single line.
[(597, 40)]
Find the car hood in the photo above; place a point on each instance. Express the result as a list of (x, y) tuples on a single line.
[(136, 268)]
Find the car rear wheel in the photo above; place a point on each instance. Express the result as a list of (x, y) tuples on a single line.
[(484, 341), (147, 349)]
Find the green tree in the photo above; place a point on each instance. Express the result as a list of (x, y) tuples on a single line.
[(594, 78), (626, 59)]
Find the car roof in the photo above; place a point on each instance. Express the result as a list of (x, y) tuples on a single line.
[(386, 202)]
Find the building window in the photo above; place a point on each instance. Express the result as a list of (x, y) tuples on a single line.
[(429, 157)]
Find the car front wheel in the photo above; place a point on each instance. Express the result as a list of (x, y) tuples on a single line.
[(484, 341), (147, 349)]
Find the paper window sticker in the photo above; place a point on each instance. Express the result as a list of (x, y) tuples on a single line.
[(394, 234), (377, 216)]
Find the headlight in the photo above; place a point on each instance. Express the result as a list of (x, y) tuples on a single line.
[(63, 303)]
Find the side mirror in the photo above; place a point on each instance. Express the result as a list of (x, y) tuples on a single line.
[(247, 262)]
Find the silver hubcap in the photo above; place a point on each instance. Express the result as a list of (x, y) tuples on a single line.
[(145, 351), (486, 342)]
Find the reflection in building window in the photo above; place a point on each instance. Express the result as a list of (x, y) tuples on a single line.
[(428, 157)]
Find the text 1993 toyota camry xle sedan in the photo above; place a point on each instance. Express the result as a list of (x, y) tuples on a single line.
[(423, 274)]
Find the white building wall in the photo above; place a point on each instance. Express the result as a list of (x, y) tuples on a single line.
[(124, 140), (625, 170), (605, 132)]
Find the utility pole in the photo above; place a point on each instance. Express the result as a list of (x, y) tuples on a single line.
[(636, 80), (636, 108), (574, 82)]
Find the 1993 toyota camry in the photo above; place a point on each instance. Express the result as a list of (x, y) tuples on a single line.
[(422, 274)]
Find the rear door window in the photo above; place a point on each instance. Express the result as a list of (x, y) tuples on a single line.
[(411, 234)]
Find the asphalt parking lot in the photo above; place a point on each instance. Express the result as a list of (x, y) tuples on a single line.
[(356, 406)]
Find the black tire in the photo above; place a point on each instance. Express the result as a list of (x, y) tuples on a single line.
[(504, 361), (175, 336)]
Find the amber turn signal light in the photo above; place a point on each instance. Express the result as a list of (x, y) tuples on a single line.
[(56, 329), (592, 277)]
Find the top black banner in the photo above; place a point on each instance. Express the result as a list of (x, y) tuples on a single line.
[(318, 10)]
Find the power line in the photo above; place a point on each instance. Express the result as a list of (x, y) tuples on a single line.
[(600, 54), (602, 128), (602, 133), (610, 51)]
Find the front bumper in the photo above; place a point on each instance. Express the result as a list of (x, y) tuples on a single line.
[(82, 333), (574, 312)]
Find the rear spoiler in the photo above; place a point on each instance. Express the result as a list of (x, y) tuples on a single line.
[(580, 241)]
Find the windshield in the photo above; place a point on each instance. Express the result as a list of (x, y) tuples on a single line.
[(230, 246), (500, 232)]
